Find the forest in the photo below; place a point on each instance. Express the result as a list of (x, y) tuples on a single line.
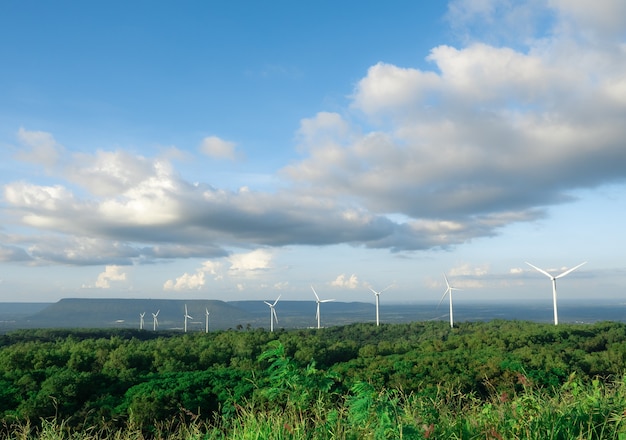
[(482, 380)]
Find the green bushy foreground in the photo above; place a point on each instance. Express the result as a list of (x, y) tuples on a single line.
[(496, 380)]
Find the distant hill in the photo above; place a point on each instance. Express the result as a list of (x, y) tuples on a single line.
[(116, 312), (124, 313)]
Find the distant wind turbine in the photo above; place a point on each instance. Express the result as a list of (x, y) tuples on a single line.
[(141, 315), (155, 321), (318, 302), (554, 278), (206, 320), (377, 294), (273, 316), (448, 292), (186, 318)]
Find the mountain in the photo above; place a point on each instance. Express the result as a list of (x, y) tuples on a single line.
[(116, 312), (124, 313)]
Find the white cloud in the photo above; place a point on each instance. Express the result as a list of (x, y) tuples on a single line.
[(214, 268), (40, 147), (113, 173), (111, 273), (344, 282), (196, 280), (186, 282), (281, 285), (218, 148), (467, 270), (250, 263), (604, 18)]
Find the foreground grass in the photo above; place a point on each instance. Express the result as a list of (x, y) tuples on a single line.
[(576, 410)]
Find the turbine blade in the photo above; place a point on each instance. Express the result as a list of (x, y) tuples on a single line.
[(326, 300), (388, 287), (374, 292), (268, 304), (444, 295), (315, 293), (277, 299), (275, 315), (540, 270), (569, 271), (446, 278)]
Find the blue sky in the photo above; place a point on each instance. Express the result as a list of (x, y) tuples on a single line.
[(245, 150)]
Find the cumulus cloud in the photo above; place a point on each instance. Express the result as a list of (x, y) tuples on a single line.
[(186, 282), (345, 282), (111, 173), (237, 267), (196, 280), (111, 273), (250, 263), (218, 148)]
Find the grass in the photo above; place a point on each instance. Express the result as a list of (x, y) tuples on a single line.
[(576, 410)]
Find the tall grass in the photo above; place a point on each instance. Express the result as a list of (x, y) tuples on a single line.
[(576, 410)]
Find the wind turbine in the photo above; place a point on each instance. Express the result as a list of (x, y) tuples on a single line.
[(377, 294), (448, 292), (273, 316), (155, 321), (318, 302), (141, 315), (554, 278), (186, 318), (206, 320)]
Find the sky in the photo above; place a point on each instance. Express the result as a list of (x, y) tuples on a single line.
[(245, 150)]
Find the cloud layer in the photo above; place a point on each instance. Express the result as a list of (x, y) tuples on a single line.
[(489, 135)]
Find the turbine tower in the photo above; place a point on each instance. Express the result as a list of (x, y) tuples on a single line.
[(377, 294), (186, 318), (155, 321), (448, 292), (206, 320), (318, 301), (554, 278), (273, 316), (141, 315)]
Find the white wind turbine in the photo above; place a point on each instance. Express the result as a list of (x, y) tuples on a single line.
[(186, 318), (206, 320), (273, 316), (155, 321), (318, 302), (554, 278), (448, 292), (141, 315), (377, 294)]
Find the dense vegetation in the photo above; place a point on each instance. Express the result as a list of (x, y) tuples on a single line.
[(501, 379)]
